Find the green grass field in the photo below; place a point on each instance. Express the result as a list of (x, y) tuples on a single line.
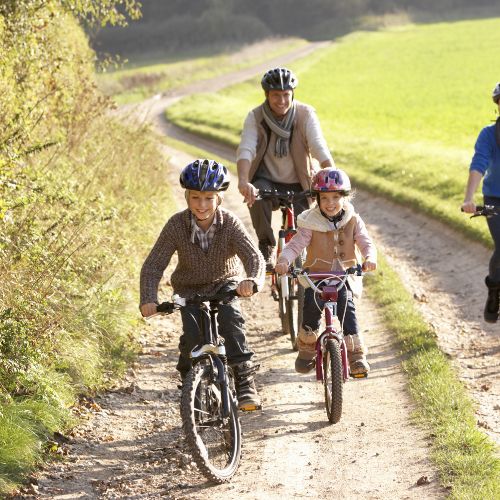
[(400, 109)]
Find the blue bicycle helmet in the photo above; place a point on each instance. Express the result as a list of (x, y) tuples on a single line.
[(279, 79), (205, 175)]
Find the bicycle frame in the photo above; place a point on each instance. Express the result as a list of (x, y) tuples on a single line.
[(330, 294), (213, 350)]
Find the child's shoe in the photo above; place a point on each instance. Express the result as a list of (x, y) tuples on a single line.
[(306, 357), (356, 355), (248, 398)]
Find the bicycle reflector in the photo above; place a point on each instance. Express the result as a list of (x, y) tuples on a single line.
[(329, 293)]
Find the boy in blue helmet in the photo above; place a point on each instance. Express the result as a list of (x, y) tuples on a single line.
[(211, 244)]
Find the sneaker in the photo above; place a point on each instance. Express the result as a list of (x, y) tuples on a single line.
[(269, 254)]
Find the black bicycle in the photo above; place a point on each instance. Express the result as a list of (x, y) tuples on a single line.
[(287, 291), (209, 406)]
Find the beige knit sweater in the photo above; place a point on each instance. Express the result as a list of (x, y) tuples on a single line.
[(200, 272)]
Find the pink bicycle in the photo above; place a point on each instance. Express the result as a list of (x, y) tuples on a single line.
[(332, 365)]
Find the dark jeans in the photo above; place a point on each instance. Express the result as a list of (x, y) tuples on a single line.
[(261, 211), (231, 327), (346, 311), (494, 226)]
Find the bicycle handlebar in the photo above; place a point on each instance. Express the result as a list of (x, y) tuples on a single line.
[(357, 270), (179, 302), (283, 196), (486, 211)]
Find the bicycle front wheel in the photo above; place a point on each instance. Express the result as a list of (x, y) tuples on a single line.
[(214, 440), (333, 380), (283, 305)]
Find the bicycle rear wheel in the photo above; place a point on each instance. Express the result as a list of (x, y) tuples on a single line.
[(333, 380), (214, 440)]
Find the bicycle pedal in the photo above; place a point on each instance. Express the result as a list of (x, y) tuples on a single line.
[(359, 375), (250, 407)]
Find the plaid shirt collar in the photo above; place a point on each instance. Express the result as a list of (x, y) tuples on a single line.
[(203, 238)]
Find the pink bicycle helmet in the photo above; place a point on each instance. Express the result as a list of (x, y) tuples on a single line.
[(331, 179)]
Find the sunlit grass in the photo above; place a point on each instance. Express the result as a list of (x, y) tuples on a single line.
[(465, 457)]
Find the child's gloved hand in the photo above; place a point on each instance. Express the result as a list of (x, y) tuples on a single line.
[(368, 265), (148, 309), (245, 288), (281, 267)]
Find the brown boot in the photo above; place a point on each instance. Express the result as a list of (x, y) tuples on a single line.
[(306, 357), (356, 355), (248, 398)]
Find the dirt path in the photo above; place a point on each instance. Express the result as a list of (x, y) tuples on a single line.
[(131, 446)]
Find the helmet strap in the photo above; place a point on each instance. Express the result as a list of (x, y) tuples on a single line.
[(335, 219)]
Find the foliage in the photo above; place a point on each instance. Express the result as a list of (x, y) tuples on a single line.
[(76, 191), (174, 25), (102, 12)]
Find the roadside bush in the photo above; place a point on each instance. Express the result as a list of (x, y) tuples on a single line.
[(76, 191)]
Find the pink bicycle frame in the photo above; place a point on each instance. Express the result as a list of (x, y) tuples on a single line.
[(330, 295)]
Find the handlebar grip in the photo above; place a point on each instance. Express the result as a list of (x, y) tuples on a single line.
[(166, 307)]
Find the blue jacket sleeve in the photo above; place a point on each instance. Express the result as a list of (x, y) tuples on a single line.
[(483, 151)]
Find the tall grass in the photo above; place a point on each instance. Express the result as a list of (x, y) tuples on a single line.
[(77, 190)]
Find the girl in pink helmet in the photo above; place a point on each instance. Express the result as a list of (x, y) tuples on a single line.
[(336, 238)]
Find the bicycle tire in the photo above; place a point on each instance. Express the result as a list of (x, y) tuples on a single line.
[(295, 306), (215, 442), (333, 380), (283, 310)]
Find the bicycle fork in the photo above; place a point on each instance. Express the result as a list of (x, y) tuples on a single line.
[(215, 355), (331, 332)]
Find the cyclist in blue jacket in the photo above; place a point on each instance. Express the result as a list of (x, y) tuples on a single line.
[(486, 163)]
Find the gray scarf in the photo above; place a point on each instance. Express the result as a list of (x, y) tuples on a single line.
[(282, 128)]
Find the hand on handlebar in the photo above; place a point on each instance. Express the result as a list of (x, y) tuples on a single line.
[(281, 267), (148, 309), (469, 207), (368, 265), (246, 288), (249, 192)]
